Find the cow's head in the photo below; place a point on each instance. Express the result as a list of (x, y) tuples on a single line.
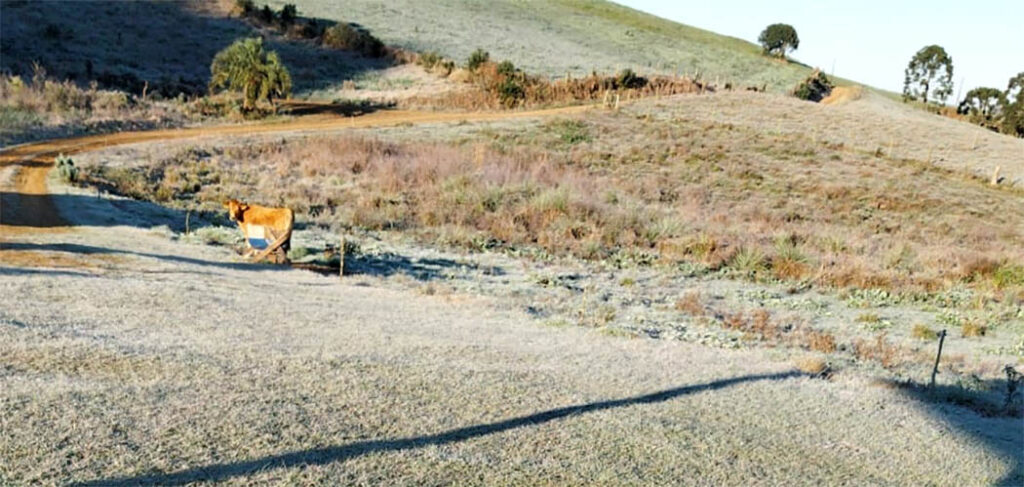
[(235, 209)]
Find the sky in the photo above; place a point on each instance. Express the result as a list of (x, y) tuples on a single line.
[(871, 41)]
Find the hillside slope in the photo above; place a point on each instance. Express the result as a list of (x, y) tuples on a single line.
[(561, 36)]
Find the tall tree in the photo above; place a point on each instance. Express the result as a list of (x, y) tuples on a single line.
[(929, 75), (983, 105), (245, 67), (779, 39), (1013, 110)]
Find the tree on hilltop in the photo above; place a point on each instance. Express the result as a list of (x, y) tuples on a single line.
[(779, 39), (929, 75), (983, 105), (1013, 109)]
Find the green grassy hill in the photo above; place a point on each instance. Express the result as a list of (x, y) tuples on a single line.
[(561, 36)]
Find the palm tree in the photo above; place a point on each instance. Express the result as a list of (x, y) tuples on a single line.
[(247, 68)]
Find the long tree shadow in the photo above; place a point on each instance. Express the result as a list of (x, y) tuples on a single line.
[(89, 249), (159, 47), (1000, 429), (320, 456), (42, 211)]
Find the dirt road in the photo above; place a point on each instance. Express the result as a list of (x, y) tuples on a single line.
[(23, 203)]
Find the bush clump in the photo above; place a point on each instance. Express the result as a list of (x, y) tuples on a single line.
[(351, 38), (429, 59), (477, 58), (627, 79), (815, 88), (506, 68), (66, 169), (288, 14)]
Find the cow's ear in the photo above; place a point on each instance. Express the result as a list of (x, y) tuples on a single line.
[(243, 207)]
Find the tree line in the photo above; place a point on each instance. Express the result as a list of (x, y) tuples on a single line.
[(928, 78)]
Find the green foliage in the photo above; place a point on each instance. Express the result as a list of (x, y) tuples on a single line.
[(506, 68), (429, 59), (570, 131), (477, 58), (266, 15), (348, 37), (929, 76), (779, 39), (983, 105), (1013, 108), (66, 169), (510, 91), (815, 88), (288, 14), (245, 67), (1008, 275)]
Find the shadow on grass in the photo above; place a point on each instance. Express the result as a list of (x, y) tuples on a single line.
[(390, 264), (979, 415), (162, 48), (43, 211), (17, 271), (89, 249), (320, 456), (341, 108)]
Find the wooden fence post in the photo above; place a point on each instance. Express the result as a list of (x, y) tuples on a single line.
[(935, 370), (341, 258)]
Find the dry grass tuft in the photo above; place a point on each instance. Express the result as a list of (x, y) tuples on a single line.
[(811, 364), (820, 341), (691, 303), (879, 350), (972, 328), (923, 332)]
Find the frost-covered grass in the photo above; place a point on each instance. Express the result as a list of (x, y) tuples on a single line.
[(176, 364), (566, 36)]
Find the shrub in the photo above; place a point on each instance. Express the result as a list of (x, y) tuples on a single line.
[(245, 67), (429, 59), (66, 169), (510, 92), (477, 58), (288, 14), (266, 15), (345, 36), (627, 80), (506, 68), (815, 88), (779, 39)]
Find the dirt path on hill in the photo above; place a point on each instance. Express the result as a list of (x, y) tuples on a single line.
[(25, 207)]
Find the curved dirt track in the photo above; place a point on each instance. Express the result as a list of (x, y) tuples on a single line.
[(25, 204)]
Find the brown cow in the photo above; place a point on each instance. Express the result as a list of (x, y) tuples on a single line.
[(263, 226)]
